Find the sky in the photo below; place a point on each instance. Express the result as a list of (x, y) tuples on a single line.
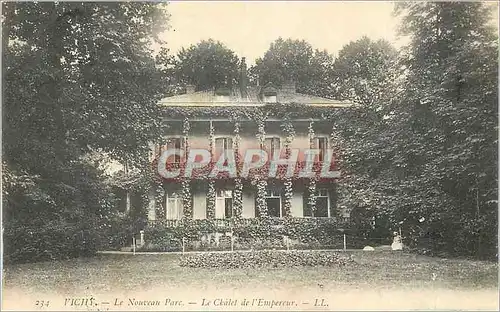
[(249, 27)]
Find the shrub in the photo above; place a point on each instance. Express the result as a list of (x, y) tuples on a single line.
[(265, 258), (118, 231), (52, 241), (255, 234), (163, 238)]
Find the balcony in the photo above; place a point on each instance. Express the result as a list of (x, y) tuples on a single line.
[(181, 170), (244, 222), (223, 223)]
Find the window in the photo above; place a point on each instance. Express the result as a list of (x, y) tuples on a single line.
[(270, 98), (223, 204), (173, 143), (323, 204), (321, 143), (153, 151), (222, 145), (269, 94), (272, 147), (173, 205), (273, 200)]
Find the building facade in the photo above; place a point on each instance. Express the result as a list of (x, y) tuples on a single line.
[(231, 124)]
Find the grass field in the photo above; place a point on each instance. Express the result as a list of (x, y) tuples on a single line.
[(374, 276)]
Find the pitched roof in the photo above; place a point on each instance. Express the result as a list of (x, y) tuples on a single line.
[(251, 98)]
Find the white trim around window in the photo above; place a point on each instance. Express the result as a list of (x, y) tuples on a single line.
[(321, 142), (167, 141), (228, 143), (224, 203), (323, 193), (173, 205), (274, 193), (276, 149)]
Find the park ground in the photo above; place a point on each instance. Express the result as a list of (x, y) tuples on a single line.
[(380, 280)]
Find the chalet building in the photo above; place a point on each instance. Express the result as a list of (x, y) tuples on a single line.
[(276, 119)]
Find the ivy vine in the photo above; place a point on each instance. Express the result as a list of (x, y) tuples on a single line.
[(311, 200), (211, 199), (159, 200), (238, 198), (277, 110), (211, 195), (261, 182), (238, 183), (185, 182), (289, 131), (261, 198), (341, 188)]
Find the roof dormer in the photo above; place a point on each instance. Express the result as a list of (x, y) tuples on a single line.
[(269, 94)]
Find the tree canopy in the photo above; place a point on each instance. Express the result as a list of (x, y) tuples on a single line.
[(363, 70), (289, 59), (429, 156), (207, 64), (419, 151), (449, 111), (78, 78)]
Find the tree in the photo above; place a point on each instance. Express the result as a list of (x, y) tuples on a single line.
[(364, 70), (78, 78), (296, 60), (365, 73), (208, 64), (167, 62), (422, 147), (446, 142)]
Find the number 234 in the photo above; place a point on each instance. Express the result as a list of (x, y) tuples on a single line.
[(42, 303)]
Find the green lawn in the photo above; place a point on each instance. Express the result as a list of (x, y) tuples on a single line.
[(378, 270)]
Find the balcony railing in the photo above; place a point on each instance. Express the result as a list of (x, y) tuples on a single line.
[(228, 223), (215, 222), (178, 169)]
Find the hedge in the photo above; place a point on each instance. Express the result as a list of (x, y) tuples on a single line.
[(266, 258), (51, 242), (256, 234)]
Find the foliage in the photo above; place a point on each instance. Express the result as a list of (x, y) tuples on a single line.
[(275, 110), (211, 198), (50, 241), (257, 233), (449, 116), (166, 64), (187, 203), (422, 152), (219, 69), (364, 71), (238, 198), (238, 183), (296, 60), (78, 79), (161, 238), (289, 131), (211, 192), (119, 230), (267, 259), (311, 186)]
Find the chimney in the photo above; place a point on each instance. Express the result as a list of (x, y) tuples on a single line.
[(243, 76), (190, 88), (289, 86)]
